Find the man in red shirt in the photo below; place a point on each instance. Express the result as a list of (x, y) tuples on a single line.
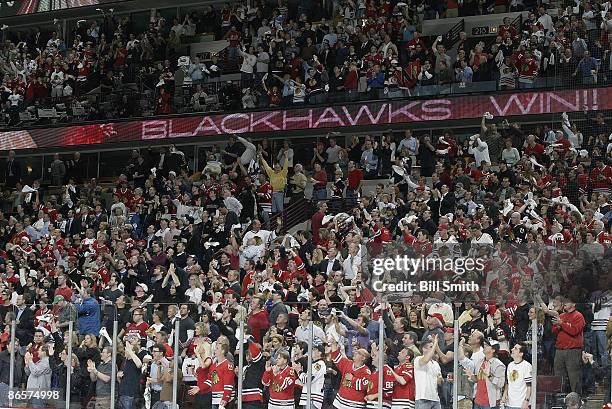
[(138, 327), (258, 320), (568, 327), (317, 222), (601, 177), (355, 179), (320, 183), (355, 377), (233, 36), (62, 288), (533, 147)]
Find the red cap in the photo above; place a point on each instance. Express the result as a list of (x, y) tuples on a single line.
[(438, 316)]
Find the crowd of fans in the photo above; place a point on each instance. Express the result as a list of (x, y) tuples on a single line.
[(200, 251), (295, 54), (205, 249)]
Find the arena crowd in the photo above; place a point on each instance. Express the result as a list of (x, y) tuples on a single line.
[(207, 249), (304, 53)]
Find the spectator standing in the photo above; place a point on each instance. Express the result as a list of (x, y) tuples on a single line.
[(249, 60), (13, 170), (39, 373), (278, 180), (89, 313), (587, 69), (489, 378), (5, 369), (427, 376), (101, 375), (569, 328), (57, 170), (517, 393)]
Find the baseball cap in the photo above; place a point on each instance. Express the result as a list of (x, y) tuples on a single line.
[(144, 287), (58, 298), (438, 316)]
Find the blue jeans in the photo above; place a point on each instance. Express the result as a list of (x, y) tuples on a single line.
[(600, 352), (126, 402), (38, 403), (4, 390), (318, 195), (446, 393), (476, 406), (426, 404), (278, 201)]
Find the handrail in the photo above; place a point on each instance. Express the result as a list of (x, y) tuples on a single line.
[(452, 36), (517, 23), (302, 210), (292, 215)]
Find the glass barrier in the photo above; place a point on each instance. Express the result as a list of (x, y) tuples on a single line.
[(287, 349)]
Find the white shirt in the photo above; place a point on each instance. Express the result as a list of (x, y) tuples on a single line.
[(485, 238), (426, 379), (480, 152), (248, 62), (14, 98), (249, 153), (57, 78), (518, 376), (281, 158), (350, 266), (264, 235), (263, 59), (190, 365), (546, 21), (302, 334), (195, 295)]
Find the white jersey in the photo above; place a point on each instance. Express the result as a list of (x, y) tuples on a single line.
[(519, 377), (316, 390)]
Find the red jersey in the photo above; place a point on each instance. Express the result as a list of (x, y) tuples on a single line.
[(403, 395), (528, 68), (44, 322), (604, 238), (264, 197), (202, 375), (536, 149), (124, 192), (282, 387), (354, 384), (247, 281), (221, 380), (510, 30), (602, 178), (387, 390), (137, 329)]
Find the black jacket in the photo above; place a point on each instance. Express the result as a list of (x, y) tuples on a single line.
[(25, 326), (5, 367)]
